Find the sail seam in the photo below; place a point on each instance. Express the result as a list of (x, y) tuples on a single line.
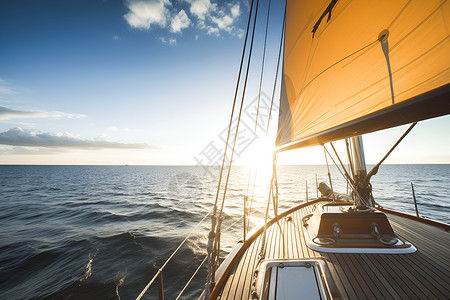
[(334, 64)]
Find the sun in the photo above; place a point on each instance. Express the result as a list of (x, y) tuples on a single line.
[(259, 158)]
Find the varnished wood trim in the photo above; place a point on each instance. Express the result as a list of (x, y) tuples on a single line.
[(415, 218), (215, 292)]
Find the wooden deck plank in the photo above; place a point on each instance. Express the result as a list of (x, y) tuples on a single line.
[(390, 293), (236, 286), (270, 242), (427, 244), (435, 279), (365, 282), (408, 279), (353, 282), (292, 238), (273, 242), (342, 281), (403, 282), (297, 235), (424, 274), (247, 282), (241, 266), (426, 231)]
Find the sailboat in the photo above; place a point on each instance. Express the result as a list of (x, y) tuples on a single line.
[(348, 68)]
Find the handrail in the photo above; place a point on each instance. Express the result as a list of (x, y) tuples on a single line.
[(247, 243), (201, 264), (443, 226)]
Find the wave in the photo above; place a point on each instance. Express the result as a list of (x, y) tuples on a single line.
[(103, 232)]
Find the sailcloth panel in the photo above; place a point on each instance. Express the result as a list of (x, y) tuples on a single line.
[(368, 65)]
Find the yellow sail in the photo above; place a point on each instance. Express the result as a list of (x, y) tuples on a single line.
[(352, 67)]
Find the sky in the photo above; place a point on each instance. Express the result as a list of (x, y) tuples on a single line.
[(150, 83)]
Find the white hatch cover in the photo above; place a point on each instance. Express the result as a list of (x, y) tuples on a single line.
[(295, 279)]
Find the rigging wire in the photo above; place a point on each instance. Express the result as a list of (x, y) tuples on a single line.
[(342, 165), (349, 161), (192, 277), (272, 99), (354, 188), (328, 167), (374, 170), (251, 201), (211, 237), (201, 264), (170, 257), (349, 154), (262, 64), (278, 66), (216, 234)]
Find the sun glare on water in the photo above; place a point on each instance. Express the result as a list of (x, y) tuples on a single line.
[(259, 160)]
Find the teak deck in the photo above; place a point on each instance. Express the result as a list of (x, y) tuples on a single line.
[(421, 275)]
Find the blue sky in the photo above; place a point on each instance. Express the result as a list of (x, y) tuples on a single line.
[(141, 82)]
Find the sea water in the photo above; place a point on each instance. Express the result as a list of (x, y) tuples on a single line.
[(102, 232)]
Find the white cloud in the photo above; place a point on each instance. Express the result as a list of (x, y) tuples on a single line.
[(171, 41), (225, 21), (13, 113), (210, 16), (144, 13), (214, 19), (235, 11), (7, 88), (179, 22), (30, 151), (201, 8), (62, 115), (34, 138), (115, 37)]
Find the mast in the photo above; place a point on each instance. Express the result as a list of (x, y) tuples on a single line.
[(363, 193)]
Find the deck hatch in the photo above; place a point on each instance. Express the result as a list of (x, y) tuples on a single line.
[(339, 228), (295, 279)]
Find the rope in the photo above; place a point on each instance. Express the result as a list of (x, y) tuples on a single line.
[(262, 251), (278, 66), (196, 271), (329, 174), (342, 165), (262, 64), (170, 257), (354, 189), (192, 277), (349, 154), (219, 223), (251, 201), (211, 237), (374, 170)]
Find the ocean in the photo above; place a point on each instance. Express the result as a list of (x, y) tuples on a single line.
[(102, 232)]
